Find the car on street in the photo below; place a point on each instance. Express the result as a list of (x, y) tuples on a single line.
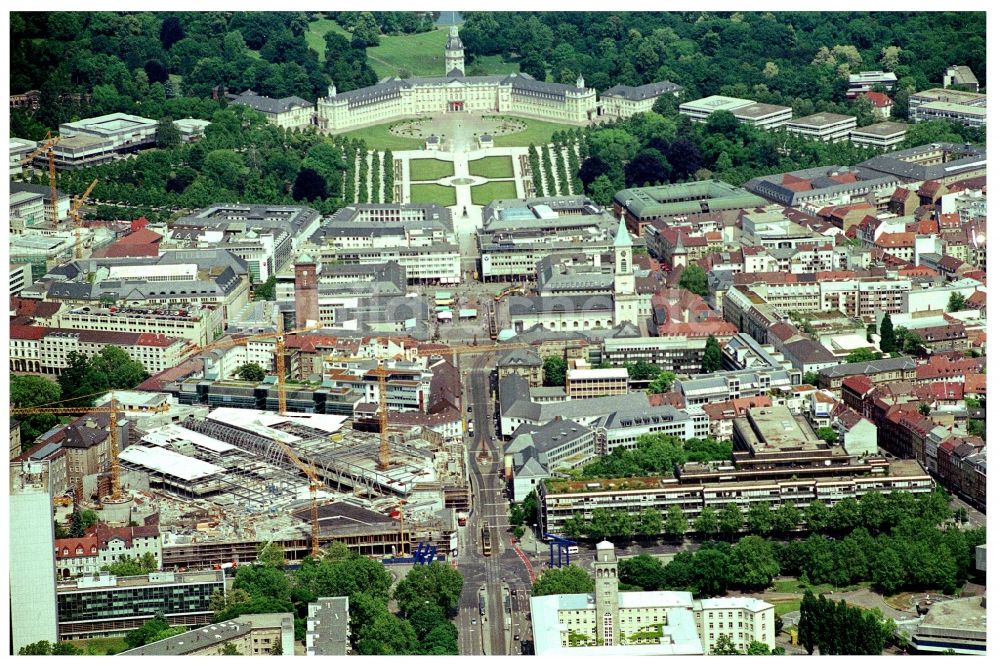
[(517, 637), (473, 620)]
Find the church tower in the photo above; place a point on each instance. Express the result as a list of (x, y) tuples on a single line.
[(626, 300), (454, 53), (606, 594)]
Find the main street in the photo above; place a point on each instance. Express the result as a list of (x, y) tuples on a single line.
[(489, 508)]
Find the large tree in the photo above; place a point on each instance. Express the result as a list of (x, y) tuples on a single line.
[(31, 391), (712, 359), (695, 280), (754, 564), (887, 336), (554, 368), (569, 579), (436, 583)]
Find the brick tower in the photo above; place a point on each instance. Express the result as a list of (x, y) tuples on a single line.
[(306, 293)]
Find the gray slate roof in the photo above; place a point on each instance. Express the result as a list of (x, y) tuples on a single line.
[(870, 367), (639, 93), (568, 304), (269, 104)]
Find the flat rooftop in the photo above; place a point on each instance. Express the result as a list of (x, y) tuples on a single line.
[(952, 106), (715, 103), (777, 428), (758, 110), (821, 120), (881, 129)]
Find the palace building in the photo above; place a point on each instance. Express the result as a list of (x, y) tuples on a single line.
[(516, 94)]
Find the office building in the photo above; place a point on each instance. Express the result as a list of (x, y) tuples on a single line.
[(641, 205), (612, 623), (863, 82), (107, 605), (968, 108), (19, 150), (31, 556), (827, 127), (880, 135)]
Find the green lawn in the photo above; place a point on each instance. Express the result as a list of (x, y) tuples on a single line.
[(318, 28), (494, 189), (793, 587), (538, 132), (493, 64), (422, 53), (430, 169), (100, 646), (782, 607), (432, 193), (378, 137), (498, 166)]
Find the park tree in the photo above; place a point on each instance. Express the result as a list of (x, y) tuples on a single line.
[(754, 563), (650, 523), (711, 361), (262, 581), (643, 570), (730, 520), (756, 648), (271, 554), (695, 280), (676, 524), (706, 524), (570, 579), (816, 516), (229, 649), (641, 370), (554, 368), (36, 649), (664, 382), (435, 582), (760, 519), (250, 372), (711, 570)]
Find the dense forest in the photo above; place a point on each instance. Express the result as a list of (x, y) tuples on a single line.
[(802, 55), (91, 63)]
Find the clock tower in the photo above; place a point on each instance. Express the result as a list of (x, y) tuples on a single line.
[(606, 594)]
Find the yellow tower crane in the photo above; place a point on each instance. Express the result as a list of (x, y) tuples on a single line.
[(46, 147), (114, 410), (74, 213)]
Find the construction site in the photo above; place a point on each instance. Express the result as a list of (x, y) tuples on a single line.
[(225, 483)]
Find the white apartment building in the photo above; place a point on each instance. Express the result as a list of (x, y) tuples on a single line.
[(961, 106), (200, 325), (45, 350), (825, 127)]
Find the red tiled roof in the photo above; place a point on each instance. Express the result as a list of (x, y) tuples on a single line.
[(65, 549), (674, 398), (878, 99), (141, 237), (929, 188), (900, 195), (859, 384), (940, 391), (846, 178), (29, 307), (975, 382), (900, 239), (19, 332), (799, 186), (715, 327)]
